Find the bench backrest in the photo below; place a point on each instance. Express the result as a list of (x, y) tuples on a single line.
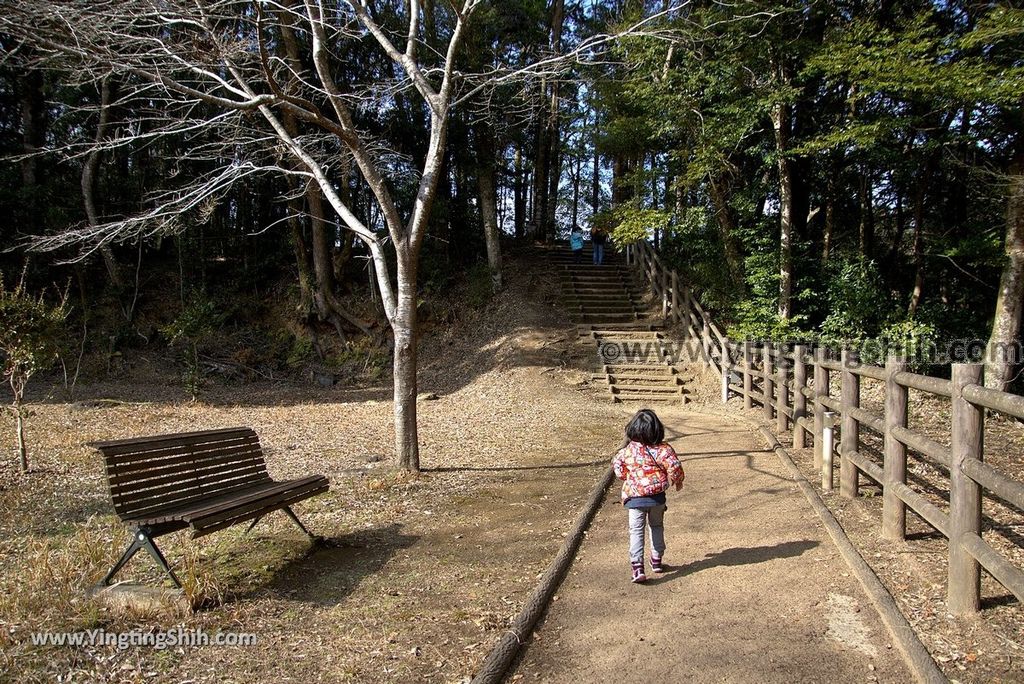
[(148, 474)]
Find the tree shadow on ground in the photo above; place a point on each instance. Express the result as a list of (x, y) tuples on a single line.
[(738, 556), (748, 457), (334, 568), (550, 466)]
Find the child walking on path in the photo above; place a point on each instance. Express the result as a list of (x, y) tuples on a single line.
[(649, 467)]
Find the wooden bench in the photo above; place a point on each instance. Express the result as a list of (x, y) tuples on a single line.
[(205, 480)]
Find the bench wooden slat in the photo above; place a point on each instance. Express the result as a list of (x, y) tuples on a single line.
[(128, 461), (261, 508), (214, 512), (112, 446), (196, 488), (225, 500), (182, 470), (177, 510), (139, 453)]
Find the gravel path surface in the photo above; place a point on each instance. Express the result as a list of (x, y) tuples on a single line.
[(755, 590)]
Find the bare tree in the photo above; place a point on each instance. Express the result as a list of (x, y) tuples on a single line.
[(262, 87), (208, 65)]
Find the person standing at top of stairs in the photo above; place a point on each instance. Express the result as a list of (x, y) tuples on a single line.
[(598, 237), (576, 244)]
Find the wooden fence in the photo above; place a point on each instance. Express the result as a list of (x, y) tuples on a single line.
[(792, 385)]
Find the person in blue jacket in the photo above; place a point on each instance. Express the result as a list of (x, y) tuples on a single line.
[(576, 244)]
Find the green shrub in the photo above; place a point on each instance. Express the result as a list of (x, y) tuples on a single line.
[(195, 326), (479, 286), (31, 332)]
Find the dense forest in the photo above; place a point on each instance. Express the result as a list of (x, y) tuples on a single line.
[(309, 180)]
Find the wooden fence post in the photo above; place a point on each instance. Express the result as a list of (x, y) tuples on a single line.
[(849, 437), (726, 361), (828, 449), (651, 280), (676, 316), (747, 376), (964, 587), (782, 392), (767, 384), (894, 511), (705, 338), (821, 389), (664, 295), (799, 399)]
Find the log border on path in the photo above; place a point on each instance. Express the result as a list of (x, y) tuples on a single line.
[(910, 647), (496, 665)]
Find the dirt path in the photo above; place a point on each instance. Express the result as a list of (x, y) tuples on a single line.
[(756, 590)]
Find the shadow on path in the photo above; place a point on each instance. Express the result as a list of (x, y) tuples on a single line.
[(737, 556), (498, 469)]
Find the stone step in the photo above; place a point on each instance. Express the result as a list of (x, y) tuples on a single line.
[(640, 325), (639, 381), (605, 317), (664, 369), (622, 398), (651, 343), (601, 300), (597, 274), (647, 391), (604, 308), (627, 335), (598, 287)]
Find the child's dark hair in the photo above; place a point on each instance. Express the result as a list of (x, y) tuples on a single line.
[(644, 427)]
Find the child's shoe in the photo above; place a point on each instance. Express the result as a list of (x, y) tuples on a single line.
[(638, 573), (656, 565)]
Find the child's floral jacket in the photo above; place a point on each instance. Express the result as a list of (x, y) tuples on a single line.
[(647, 470)]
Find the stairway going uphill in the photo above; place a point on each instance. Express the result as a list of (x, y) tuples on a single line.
[(631, 353)]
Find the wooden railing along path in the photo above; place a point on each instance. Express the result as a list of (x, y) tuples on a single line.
[(792, 385)]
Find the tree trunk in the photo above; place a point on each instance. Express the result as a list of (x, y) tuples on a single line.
[(88, 182), (22, 451), (552, 138), (1001, 355), (486, 185), (866, 228), (577, 172), (781, 124), (918, 291), (519, 195), (595, 188), (540, 177), (830, 221), (405, 330), (726, 231), (33, 127), (327, 305), (302, 257)]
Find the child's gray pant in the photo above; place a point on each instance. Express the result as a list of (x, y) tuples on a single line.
[(654, 516)]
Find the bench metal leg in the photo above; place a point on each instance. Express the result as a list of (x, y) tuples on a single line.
[(141, 539), (295, 519), (253, 523)]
